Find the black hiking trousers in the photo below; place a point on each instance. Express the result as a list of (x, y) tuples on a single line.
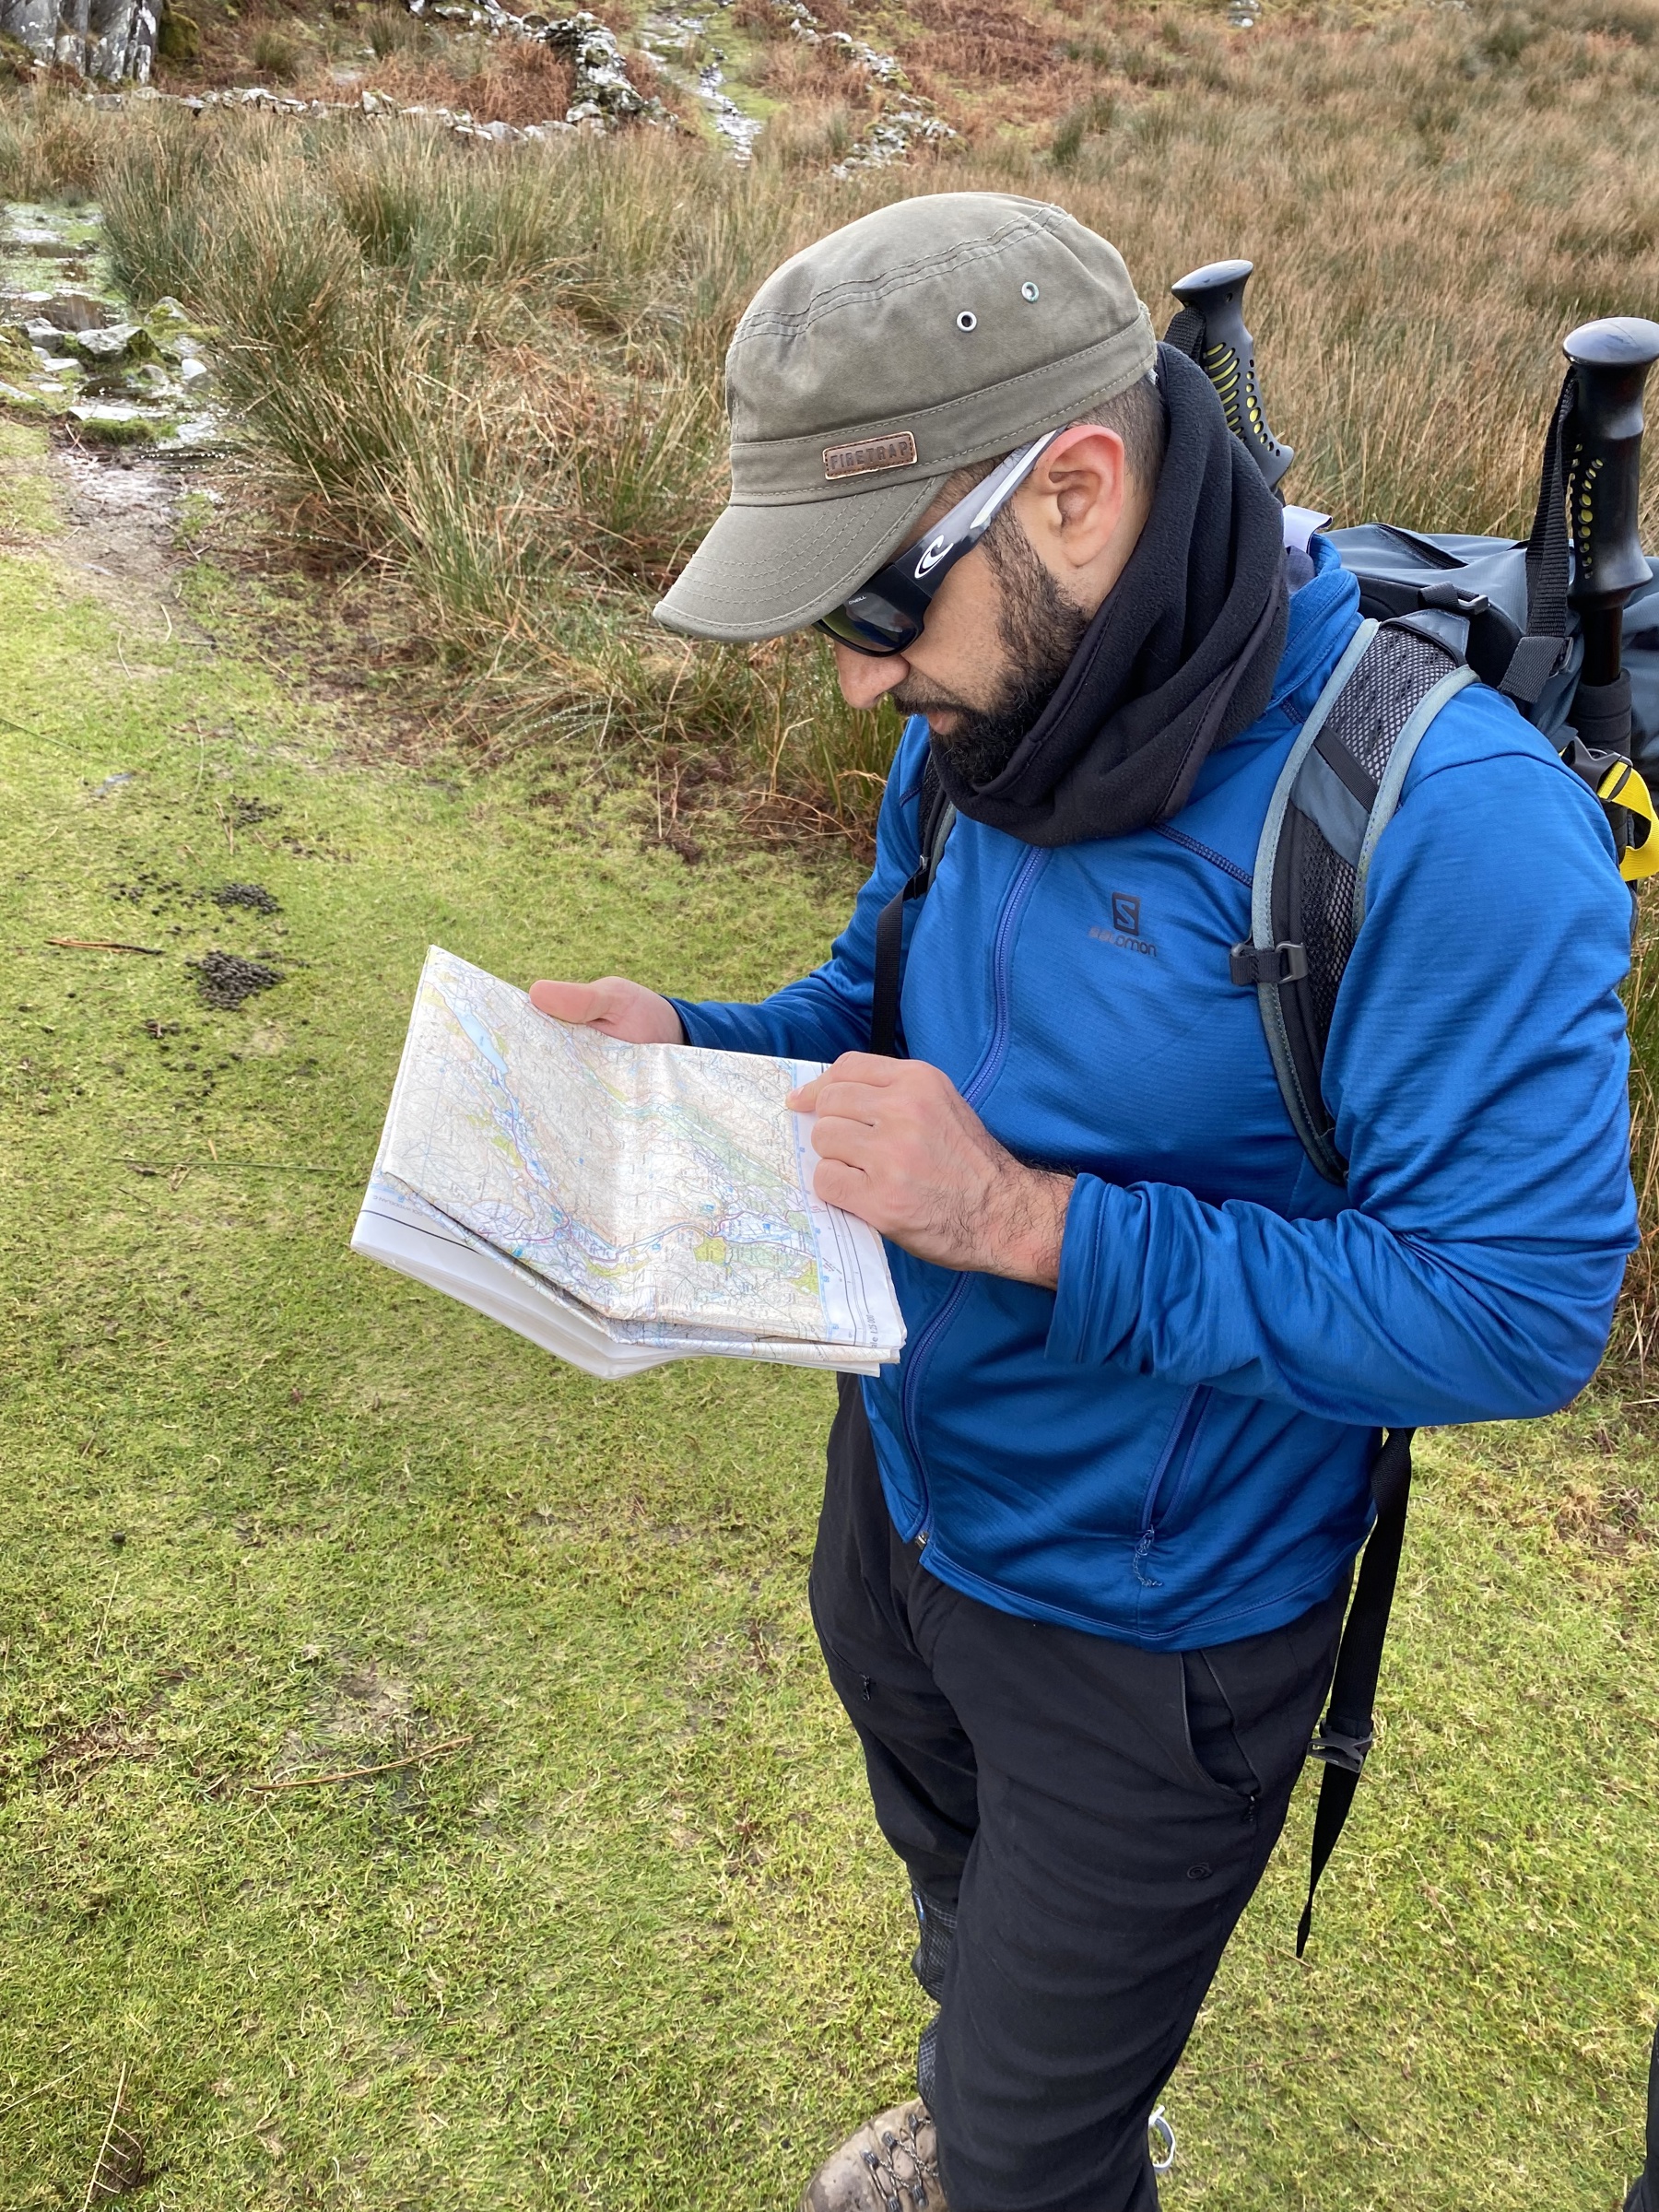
[(1083, 1823)]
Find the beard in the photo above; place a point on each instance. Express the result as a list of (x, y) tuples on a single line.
[(1041, 630)]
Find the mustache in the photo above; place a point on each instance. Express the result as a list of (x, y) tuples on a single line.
[(912, 698)]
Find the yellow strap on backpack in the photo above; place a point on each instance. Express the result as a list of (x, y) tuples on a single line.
[(1622, 786)]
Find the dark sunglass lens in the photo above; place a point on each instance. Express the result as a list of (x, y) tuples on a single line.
[(877, 628)]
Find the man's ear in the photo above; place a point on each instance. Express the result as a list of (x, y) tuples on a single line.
[(1078, 492)]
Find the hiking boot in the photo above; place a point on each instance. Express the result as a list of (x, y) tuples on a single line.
[(890, 2165)]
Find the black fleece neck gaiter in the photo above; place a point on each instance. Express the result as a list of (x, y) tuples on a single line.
[(1180, 656)]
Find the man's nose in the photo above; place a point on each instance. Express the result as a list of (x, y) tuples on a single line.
[(864, 682)]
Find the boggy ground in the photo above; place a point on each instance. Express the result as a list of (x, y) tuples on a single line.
[(609, 1924)]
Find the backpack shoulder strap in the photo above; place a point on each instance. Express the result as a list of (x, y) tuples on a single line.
[(1337, 792), (936, 818)]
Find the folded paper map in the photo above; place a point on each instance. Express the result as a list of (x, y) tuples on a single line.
[(620, 1204)]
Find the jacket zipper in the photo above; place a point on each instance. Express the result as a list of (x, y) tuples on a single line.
[(1177, 1453), (978, 1084)]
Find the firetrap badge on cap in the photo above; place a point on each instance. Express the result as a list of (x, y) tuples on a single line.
[(934, 334)]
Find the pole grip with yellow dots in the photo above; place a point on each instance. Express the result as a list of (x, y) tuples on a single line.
[(1210, 329)]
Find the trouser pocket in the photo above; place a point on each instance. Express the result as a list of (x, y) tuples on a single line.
[(1212, 1730)]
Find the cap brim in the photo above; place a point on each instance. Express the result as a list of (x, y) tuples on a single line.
[(762, 571)]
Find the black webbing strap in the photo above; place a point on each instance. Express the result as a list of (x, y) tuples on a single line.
[(934, 817), (1345, 1734), (1187, 332), (889, 971), (1539, 655)]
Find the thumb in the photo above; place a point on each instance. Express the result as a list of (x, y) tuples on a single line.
[(578, 1003)]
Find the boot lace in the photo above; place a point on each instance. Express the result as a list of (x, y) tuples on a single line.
[(900, 2171)]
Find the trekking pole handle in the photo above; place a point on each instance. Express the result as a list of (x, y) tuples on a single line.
[(1601, 477), (1610, 362), (1226, 352)]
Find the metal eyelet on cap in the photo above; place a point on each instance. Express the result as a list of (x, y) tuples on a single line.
[(967, 320), (1028, 291)]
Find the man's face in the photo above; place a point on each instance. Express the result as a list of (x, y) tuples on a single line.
[(1007, 621)]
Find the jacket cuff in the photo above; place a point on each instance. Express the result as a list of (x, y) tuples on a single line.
[(1103, 1268)]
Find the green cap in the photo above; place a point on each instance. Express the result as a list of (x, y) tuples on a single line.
[(935, 333)]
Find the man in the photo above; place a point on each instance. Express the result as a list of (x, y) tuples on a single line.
[(1084, 1554), (1644, 2189)]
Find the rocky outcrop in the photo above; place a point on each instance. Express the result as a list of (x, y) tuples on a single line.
[(109, 40)]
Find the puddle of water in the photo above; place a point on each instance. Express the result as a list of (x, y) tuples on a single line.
[(71, 351)]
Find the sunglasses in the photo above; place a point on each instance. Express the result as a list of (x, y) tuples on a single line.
[(886, 615)]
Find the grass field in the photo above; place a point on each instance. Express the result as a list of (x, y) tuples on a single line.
[(618, 1932)]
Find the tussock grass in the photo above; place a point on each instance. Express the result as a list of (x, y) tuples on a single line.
[(500, 379), (496, 374)]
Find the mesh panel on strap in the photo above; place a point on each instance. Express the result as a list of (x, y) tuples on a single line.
[(1374, 707)]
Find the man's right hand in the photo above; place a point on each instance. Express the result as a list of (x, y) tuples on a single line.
[(614, 1005)]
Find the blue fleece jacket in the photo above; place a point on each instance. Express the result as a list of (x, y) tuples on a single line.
[(1173, 1448)]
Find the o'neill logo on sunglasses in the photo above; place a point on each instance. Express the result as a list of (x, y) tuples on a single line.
[(932, 554)]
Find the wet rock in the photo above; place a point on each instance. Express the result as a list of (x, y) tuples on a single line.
[(75, 311), (124, 342)]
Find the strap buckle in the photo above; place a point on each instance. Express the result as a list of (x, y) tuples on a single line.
[(1452, 599), (1251, 964), (1335, 1749)]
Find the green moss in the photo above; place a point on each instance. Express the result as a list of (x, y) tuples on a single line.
[(16, 355), (179, 39), (17, 66), (125, 430), (630, 1940), (28, 507)]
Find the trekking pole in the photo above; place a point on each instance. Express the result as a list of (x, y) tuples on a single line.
[(1210, 330), (1600, 464)]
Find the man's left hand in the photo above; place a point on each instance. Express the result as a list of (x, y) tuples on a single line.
[(899, 1147)]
